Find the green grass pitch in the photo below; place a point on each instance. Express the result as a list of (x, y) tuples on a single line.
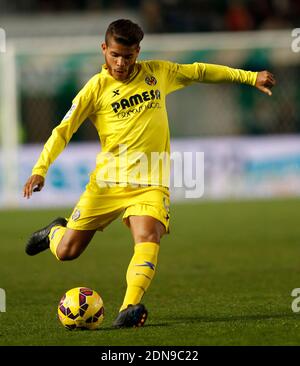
[(225, 277)]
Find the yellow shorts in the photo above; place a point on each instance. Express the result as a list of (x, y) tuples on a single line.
[(98, 207)]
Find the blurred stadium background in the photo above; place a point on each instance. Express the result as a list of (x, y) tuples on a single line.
[(250, 142)]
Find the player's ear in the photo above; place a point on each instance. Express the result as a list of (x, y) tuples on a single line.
[(138, 48), (103, 47)]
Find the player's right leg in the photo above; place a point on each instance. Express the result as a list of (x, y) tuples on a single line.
[(64, 243), (39, 240), (67, 244), (67, 239)]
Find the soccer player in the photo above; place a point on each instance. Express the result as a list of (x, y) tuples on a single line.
[(126, 104)]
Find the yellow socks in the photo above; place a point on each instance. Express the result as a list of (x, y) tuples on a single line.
[(140, 272), (56, 233)]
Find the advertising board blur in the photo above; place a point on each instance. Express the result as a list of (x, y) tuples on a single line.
[(234, 168)]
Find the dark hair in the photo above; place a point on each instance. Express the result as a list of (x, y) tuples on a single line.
[(124, 31)]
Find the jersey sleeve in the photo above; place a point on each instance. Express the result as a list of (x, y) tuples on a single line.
[(178, 76), (83, 106)]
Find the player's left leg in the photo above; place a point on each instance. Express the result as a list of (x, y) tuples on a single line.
[(147, 232)]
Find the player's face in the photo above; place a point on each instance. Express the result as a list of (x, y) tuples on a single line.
[(120, 59)]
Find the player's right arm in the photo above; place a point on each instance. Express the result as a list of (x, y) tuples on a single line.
[(83, 106), (34, 183)]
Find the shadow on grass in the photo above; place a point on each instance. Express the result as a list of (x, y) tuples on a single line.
[(162, 324), (200, 319), (229, 318)]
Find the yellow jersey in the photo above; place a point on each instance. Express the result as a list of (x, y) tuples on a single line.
[(131, 119)]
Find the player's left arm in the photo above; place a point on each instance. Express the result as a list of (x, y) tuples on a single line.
[(262, 80), (265, 81), (181, 75)]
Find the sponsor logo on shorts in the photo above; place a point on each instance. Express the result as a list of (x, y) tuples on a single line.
[(167, 208), (166, 205), (76, 214)]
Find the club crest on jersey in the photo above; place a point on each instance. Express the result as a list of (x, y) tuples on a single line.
[(150, 80)]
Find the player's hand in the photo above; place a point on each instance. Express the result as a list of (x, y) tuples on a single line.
[(265, 81), (34, 184)]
